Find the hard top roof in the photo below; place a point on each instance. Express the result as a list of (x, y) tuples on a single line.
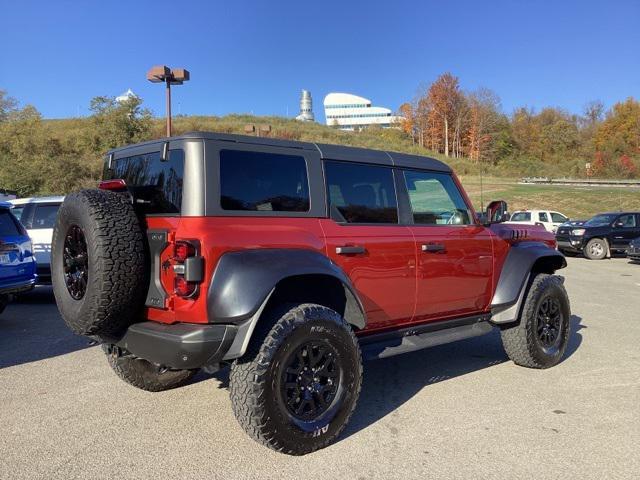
[(617, 213), (327, 151)]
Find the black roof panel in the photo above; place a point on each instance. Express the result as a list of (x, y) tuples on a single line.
[(327, 151), (353, 154), (418, 161)]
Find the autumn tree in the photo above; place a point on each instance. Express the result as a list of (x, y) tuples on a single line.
[(7, 105), (483, 124), (407, 124), (619, 133), (445, 101), (117, 123)]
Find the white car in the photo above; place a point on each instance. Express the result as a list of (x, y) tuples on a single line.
[(548, 219), (38, 215)]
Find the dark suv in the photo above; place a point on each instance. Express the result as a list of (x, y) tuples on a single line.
[(601, 235), (292, 261)]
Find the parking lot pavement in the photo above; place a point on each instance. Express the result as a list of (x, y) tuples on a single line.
[(455, 411)]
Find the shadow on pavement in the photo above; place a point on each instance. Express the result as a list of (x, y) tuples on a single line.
[(31, 329), (389, 383)]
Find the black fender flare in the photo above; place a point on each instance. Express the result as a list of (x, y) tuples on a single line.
[(514, 277), (244, 280)]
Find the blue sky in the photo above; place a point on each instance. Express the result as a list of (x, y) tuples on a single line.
[(256, 56)]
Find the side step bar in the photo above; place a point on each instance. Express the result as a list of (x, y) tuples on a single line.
[(385, 345)]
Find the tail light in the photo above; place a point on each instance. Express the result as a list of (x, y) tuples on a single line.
[(188, 269), (116, 185), (182, 288), (184, 250)]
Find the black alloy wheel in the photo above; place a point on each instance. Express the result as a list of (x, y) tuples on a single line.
[(310, 380), (549, 323), (76, 262)]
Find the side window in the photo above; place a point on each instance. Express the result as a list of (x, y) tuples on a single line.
[(44, 216), (543, 217), (435, 199), (558, 218), (267, 182), (361, 193), (156, 185), (521, 217), (626, 221), (17, 211)]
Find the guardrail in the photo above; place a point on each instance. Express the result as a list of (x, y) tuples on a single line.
[(591, 182)]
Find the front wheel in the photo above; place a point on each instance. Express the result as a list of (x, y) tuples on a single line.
[(595, 249), (540, 339), (297, 386)]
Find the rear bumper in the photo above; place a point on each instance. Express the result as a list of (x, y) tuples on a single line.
[(17, 287), (181, 345)]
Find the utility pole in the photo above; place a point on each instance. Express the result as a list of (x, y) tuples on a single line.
[(168, 76)]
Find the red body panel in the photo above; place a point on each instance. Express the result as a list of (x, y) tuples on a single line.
[(384, 276), (218, 235), (397, 282), (457, 280)]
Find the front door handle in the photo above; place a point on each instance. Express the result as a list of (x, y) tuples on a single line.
[(433, 247), (350, 250)]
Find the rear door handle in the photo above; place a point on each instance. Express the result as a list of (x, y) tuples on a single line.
[(350, 250), (433, 247)]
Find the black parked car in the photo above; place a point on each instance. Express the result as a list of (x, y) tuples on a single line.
[(601, 235), (572, 223), (633, 252)]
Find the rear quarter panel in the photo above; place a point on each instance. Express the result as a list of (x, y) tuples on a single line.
[(219, 235)]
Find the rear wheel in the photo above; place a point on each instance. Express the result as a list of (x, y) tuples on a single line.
[(540, 339), (297, 386), (595, 249), (143, 374)]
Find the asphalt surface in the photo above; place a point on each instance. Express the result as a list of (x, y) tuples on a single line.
[(455, 411)]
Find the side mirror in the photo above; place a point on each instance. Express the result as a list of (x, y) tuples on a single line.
[(497, 212)]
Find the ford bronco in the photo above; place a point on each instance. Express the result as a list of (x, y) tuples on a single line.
[(292, 262)]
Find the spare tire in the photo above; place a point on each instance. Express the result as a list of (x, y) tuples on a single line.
[(98, 263)]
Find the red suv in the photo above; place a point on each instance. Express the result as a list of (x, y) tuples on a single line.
[(292, 261)]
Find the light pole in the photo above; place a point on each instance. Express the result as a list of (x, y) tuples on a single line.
[(175, 76)]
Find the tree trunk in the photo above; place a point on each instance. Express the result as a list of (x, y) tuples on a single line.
[(446, 136)]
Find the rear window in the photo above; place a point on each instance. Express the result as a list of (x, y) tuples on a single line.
[(521, 217), (8, 226), (263, 182), (156, 185), (45, 216)]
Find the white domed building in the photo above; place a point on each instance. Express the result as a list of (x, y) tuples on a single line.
[(126, 96), (351, 112)]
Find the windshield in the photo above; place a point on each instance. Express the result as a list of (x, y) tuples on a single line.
[(598, 220)]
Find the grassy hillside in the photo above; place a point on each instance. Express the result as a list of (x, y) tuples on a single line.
[(573, 201), (576, 202)]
